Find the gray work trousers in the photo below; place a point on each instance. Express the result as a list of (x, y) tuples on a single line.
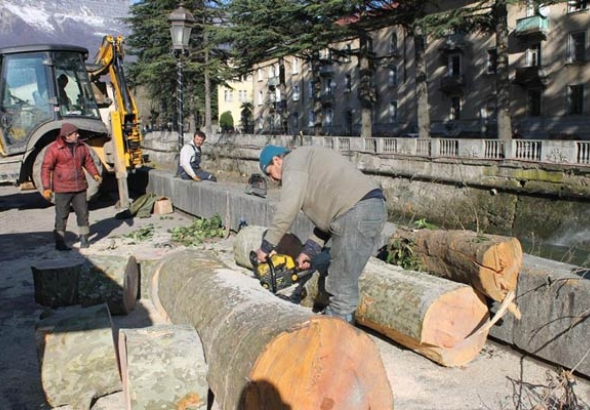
[(355, 236), (62, 211)]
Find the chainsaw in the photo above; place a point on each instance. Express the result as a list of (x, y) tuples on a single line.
[(278, 272)]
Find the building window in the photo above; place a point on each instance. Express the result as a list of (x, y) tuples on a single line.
[(329, 86), (393, 47), (249, 77), (242, 95), (455, 108), (492, 61), (228, 95), (260, 76), (575, 99), (311, 119), (271, 71), (534, 103), (577, 5), (454, 68), (347, 83), (329, 116), (295, 66), (392, 76), (260, 98), (310, 90), (325, 55), (347, 53), (393, 111), (577, 47), (533, 56), (295, 93)]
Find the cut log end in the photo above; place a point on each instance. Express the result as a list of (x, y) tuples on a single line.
[(501, 265), (310, 368)]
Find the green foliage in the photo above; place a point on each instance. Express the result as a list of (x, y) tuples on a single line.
[(400, 253), (142, 234), (226, 121), (422, 224), (199, 231)]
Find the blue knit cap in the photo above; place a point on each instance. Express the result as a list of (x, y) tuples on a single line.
[(268, 153)]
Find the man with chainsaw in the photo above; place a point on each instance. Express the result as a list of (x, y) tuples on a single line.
[(189, 166), (344, 205)]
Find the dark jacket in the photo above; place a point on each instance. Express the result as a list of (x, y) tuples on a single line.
[(66, 165)]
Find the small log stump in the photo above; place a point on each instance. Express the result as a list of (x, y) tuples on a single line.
[(56, 283), (77, 356), (249, 239), (264, 352), (163, 367)]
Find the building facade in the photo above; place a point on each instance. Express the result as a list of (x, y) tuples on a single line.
[(549, 65)]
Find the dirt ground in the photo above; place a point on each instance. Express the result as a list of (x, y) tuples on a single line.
[(499, 378)]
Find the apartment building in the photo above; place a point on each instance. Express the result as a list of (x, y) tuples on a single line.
[(549, 64), (232, 97)]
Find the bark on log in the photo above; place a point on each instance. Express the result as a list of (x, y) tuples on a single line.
[(77, 356), (250, 238), (433, 316), (264, 352), (56, 283), (489, 263), (110, 279), (93, 280), (163, 367)]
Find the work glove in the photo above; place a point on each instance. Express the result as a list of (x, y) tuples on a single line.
[(196, 178), (47, 194), (97, 178)]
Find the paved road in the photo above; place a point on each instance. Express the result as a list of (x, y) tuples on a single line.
[(497, 379)]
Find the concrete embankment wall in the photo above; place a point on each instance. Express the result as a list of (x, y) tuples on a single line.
[(539, 202), (554, 297)]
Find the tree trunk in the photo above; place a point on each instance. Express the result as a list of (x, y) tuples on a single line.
[(503, 71), (423, 107), (367, 93), (489, 263), (77, 357), (96, 279), (435, 317), (156, 368), (266, 353)]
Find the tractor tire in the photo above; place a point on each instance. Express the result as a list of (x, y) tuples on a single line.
[(93, 186)]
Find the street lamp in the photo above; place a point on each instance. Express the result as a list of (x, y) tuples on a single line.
[(181, 23)]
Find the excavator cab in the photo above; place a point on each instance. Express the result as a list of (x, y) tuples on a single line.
[(41, 84)]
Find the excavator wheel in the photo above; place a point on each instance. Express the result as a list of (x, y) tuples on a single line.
[(93, 186)]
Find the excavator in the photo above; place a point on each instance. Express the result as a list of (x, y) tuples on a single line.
[(43, 86)]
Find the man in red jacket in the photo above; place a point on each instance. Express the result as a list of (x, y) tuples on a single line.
[(62, 173)]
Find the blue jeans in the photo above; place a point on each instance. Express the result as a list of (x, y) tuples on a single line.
[(355, 236)]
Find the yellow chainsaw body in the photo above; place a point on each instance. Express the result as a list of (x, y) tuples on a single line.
[(281, 263)]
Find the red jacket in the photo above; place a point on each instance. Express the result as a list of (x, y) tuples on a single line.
[(66, 165)]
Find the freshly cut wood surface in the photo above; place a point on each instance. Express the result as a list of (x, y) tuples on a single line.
[(489, 263), (435, 317), (264, 352), (163, 367)]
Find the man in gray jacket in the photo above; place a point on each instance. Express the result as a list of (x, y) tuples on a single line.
[(343, 204)]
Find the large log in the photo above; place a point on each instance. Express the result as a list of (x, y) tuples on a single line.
[(163, 367), (264, 352), (437, 318), (77, 356), (90, 281), (489, 263)]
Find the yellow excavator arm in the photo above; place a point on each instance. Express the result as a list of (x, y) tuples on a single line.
[(124, 117)]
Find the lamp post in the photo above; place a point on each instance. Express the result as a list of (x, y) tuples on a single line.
[(181, 23)]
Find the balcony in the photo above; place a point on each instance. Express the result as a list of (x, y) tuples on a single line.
[(273, 82), (530, 77), (452, 83), (327, 70), (327, 97), (532, 28), (454, 42)]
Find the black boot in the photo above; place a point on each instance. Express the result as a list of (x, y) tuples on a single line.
[(84, 242), (60, 243)]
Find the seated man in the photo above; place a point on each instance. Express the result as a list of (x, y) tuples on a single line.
[(62, 95), (190, 160)]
